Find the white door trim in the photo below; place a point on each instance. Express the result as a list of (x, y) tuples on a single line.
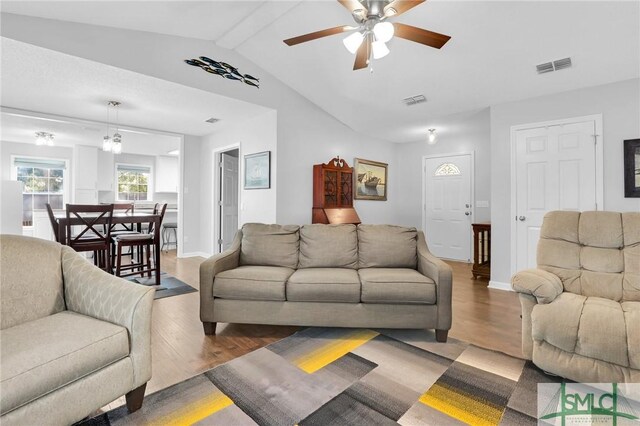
[(597, 119), (473, 186), (181, 184), (215, 185)]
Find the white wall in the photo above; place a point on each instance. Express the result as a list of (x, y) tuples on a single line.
[(457, 133), (619, 103), (191, 202), (258, 205)]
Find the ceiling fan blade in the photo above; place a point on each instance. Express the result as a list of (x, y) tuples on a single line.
[(318, 34), (353, 5), (362, 55), (419, 35), (398, 7)]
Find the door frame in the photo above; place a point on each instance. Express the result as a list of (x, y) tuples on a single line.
[(599, 150), (215, 195), (472, 162)]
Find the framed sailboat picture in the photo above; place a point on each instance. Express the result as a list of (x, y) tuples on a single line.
[(257, 170), (370, 180)]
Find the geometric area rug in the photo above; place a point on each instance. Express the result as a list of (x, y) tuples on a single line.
[(336, 376)]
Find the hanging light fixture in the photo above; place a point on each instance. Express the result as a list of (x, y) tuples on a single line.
[(433, 137), (353, 41), (112, 143), (44, 138)]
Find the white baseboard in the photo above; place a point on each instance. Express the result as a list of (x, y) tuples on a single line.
[(196, 254), (497, 285)]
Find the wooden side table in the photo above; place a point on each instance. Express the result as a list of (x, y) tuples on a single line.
[(481, 250)]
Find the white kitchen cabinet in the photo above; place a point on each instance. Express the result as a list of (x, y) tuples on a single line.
[(85, 174), (167, 173), (106, 171), (42, 225)]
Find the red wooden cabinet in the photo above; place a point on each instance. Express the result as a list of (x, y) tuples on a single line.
[(333, 193)]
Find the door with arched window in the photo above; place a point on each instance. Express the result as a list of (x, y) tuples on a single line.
[(448, 195)]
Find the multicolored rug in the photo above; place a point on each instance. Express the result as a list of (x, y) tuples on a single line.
[(331, 376)]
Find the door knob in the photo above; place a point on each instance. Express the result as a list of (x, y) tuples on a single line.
[(467, 205), (467, 213), (522, 218)]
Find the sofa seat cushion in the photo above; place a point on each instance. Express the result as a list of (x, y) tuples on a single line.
[(49, 353), (593, 327), (252, 283), (396, 285), (324, 285)]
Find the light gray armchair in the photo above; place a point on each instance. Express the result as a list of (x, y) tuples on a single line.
[(72, 337)]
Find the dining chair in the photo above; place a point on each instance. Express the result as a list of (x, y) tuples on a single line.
[(90, 237), (54, 223), (122, 228), (145, 245)]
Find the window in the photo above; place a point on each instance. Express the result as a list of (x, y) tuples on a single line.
[(44, 182), (447, 169), (133, 182)]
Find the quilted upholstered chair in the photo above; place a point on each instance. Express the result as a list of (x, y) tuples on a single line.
[(72, 337), (581, 306)]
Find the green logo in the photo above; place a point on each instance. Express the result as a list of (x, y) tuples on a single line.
[(581, 402)]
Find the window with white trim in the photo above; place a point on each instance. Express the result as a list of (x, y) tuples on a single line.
[(133, 182), (43, 183)]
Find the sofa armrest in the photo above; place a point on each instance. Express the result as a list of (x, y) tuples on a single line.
[(91, 291), (434, 268), (543, 285), (221, 262)]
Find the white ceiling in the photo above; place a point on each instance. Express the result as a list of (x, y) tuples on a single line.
[(42, 80), (21, 128), (491, 58)]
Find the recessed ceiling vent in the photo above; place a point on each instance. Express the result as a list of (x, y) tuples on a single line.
[(212, 120), (558, 65), (414, 100)]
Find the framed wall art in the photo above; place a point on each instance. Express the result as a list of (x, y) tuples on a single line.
[(632, 168), (257, 170), (370, 180)]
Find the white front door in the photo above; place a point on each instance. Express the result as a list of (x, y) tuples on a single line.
[(447, 204), (555, 170), (229, 200)]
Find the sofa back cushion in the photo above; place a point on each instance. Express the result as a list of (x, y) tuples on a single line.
[(387, 246), (270, 245), (595, 254), (31, 279), (328, 246)]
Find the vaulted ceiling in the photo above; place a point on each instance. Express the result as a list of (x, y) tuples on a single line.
[(490, 59)]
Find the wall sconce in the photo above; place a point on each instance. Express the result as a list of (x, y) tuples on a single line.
[(432, 138)]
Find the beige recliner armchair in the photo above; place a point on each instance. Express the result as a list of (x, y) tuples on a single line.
[(72, 337), (581, 306)]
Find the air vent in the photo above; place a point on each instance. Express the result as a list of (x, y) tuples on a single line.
[(560, 64), (413, 100), (212, 120)]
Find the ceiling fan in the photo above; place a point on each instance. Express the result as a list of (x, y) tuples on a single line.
[(373, 29)]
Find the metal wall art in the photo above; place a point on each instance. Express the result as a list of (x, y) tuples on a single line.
[(223, 69)]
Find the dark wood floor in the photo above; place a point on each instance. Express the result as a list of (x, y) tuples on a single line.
[(485, 317)]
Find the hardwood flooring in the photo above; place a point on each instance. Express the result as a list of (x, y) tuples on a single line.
[(482, 316)]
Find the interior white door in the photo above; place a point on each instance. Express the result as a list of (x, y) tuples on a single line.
[(447, 204), (229, 200), (555, 170)]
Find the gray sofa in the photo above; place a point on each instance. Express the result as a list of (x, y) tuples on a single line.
[(72, 337), (327, 275), (581, 305)]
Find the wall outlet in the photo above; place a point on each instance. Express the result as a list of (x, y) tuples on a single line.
[(482, 204)]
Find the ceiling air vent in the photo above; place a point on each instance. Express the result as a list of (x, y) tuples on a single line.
[(413, 100), (212, 120), (560, 64)]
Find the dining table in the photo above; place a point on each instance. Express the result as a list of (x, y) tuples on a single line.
[(136, 218)]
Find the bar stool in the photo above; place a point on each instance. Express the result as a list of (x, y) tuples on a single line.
[(170, 229)]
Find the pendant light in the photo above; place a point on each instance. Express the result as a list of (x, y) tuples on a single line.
[(112, 143), (44, 138)]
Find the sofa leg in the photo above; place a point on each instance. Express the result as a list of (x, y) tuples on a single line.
[(209, 328), (135, 398), (441, 335)]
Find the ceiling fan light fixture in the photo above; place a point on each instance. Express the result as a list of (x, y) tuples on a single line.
[(353, 41), (379, 49), (383, 31)]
